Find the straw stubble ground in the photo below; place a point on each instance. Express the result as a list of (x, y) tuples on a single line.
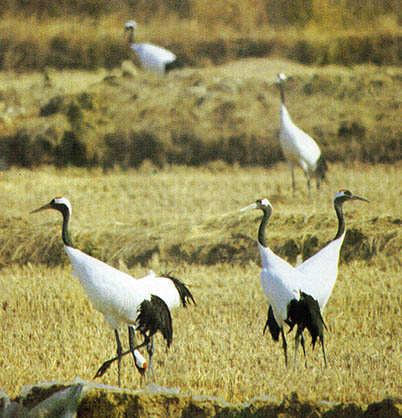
[(50, 330)]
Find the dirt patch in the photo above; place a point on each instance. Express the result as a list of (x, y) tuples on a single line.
[(88, 399)]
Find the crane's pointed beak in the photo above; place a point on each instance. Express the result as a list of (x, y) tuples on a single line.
[(252, 206), (356, 197), (48, 206)]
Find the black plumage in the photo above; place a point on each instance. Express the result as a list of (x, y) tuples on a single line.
[(306, 313), (155, 316), (272, 325), (184, 292)]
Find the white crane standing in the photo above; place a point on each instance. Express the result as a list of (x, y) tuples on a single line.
[(152, 57), (321, 269), (117, 295), (281, 284), (173, 292), (298, 147)]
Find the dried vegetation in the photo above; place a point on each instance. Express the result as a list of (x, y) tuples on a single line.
[(186, 220), (192, 117)]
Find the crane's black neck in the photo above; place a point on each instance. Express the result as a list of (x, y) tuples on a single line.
[(267, 210), (66, 219), (131, 36), (341, 219), (282, 89)]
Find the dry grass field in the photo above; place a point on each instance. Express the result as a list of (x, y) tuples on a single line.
[(88, 34), (194, 116), (76, 118), (50, 331)]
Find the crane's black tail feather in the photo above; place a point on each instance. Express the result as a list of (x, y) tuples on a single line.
[(155, 316), (306, 313), (272, 325), (184, 292), (173, 65)]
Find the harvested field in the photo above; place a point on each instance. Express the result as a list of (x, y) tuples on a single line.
[(50, 330)]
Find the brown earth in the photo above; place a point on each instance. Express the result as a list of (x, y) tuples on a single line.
[(56, 399)]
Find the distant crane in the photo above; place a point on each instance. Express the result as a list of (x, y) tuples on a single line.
[(282, 286), (321, 269), (117, 295), (152, 57), (298, 147), (172, 291)]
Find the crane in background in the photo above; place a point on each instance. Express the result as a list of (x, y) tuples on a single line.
[(298, 147)]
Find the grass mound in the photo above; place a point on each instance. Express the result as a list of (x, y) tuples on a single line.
[(195, 117), (21, 244)]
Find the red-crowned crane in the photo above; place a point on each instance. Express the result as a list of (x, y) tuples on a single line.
[(282, 286), (117, 295), (298, 147), (321, 269), (151, 57)]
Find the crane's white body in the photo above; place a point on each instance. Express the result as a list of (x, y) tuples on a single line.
[(115, 294), (321, 271), (162, 287), (280, 283), (298, 147), (151, 57)]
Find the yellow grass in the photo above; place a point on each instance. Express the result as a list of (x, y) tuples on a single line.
[(50, 331), (210, 106)]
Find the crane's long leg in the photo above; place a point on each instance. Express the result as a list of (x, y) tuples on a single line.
[(150, 349), (102, 369), (304, 351), (299, 335), (293, 179), (306, 173), (285, 345), (323, 351), (119, 351)]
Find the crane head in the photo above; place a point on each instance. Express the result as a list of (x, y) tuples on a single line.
[(281, 77), (130, 25), (58, 203), (140, 362), (343, 195), (258, 204)]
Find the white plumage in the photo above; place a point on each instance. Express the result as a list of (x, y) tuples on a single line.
[(298, 147), (279, 281), (321, 269), (117, 295), (153, 58), (139, 361), (162, 287), (282, 286)]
